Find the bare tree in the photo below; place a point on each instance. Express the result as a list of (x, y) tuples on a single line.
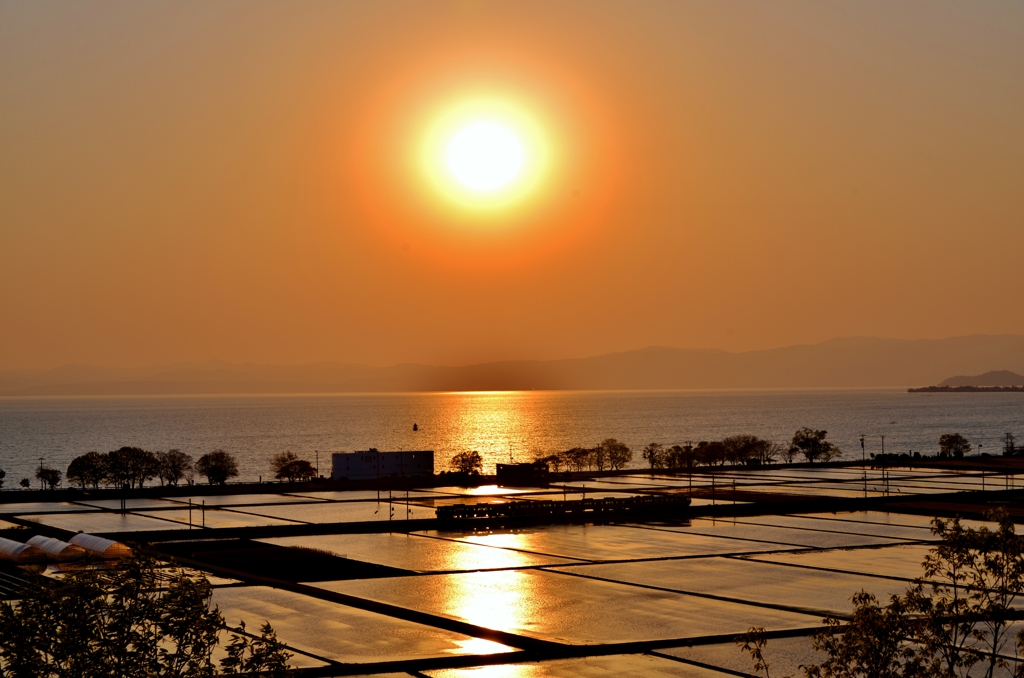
[(50, 476), (173, 466), (654, 454), (618, 454)]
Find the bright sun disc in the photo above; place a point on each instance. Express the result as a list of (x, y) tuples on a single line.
[(485, 156)]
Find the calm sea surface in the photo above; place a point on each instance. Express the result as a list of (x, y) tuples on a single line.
[(518, 425)]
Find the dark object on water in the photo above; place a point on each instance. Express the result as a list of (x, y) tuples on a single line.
[(967, 389), (415, 427), (629, 508)]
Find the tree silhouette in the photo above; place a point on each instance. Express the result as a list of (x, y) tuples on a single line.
[(50, 476), (653, 454), (953, 622), (173, 466), (131, 466), (217, 467), (88, 469), (953, 445), (813, 446), (467, 462), (618, 454)]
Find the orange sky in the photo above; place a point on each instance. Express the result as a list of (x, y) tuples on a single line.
[(193, 181)]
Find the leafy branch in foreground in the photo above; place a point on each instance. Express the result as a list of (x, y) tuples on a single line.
[(952, 623), (262, 656), (136, 621), (753, 643)]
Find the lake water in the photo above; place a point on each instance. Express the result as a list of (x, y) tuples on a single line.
[(516, 425)]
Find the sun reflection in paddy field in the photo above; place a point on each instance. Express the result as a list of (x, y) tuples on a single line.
[(480, 646), (497, 671), (498, 601), (502, 600)]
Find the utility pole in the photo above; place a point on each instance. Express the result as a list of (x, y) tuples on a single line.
[(863, 463), (885, 469), (41, 474)]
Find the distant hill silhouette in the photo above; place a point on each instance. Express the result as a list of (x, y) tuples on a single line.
[(837, 363), (994, 378)]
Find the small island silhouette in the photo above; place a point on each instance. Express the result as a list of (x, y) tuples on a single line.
[(997, 381)]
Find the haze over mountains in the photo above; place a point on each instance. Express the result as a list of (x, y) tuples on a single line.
[(838, 363), (989, 379)]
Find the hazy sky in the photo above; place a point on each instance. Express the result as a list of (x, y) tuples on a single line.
[(230, 180)]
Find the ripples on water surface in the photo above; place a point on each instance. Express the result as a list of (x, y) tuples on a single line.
[(519, 425)]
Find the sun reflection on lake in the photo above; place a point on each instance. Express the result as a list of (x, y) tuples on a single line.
[(496, 425)]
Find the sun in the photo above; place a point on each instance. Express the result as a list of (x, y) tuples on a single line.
[(485, 156)]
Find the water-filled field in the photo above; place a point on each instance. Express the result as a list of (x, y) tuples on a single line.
[(657, 598)]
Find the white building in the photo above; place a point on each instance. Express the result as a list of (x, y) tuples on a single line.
[(371, 465)]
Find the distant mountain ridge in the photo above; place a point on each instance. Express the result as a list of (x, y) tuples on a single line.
[(994, 378), (855, 362)]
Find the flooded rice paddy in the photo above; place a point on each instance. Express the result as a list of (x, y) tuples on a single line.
[(659, 599)]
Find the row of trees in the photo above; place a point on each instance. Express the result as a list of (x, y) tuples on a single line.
[(740, 449), (957, 620), (609, 455), (134, 467), (612, 455)]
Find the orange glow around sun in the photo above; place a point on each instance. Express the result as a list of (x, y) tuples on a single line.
[(482, 170)]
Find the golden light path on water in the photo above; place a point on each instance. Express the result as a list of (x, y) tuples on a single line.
[(502, 600)]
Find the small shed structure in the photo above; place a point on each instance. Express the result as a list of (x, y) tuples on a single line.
[(533, 474), (56, 549), (16, 552), (100, 547), (372, 465)]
